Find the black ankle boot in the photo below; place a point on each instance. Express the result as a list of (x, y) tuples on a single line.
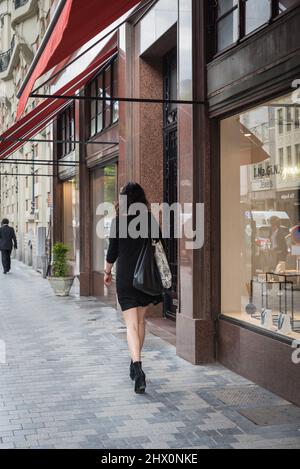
[(132, 372), (139, 378)]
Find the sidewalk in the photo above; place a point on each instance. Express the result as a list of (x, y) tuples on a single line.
[(66, 384)]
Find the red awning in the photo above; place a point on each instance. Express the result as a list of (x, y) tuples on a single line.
[(79, 22), (45, 112)]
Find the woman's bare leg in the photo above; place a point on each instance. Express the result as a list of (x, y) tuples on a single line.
[(131, 317), (142, 326)]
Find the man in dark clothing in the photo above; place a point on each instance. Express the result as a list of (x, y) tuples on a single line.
[(278, 241), (8, 240)]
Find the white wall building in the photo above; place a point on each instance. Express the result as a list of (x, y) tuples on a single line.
[(25, 191)]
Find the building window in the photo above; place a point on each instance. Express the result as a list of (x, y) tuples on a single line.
[(104, 113), (115, 104), (297, 118), (289, 156), (281, 158), (280, 121), (258, 12), (227, 23), (236, 19), (289, 120), (297, 153), (260, 221), (66, 131)]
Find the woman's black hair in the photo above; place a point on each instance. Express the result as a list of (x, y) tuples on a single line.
[(135, 194)]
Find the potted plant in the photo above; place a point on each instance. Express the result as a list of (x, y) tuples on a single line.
[(60, 281)]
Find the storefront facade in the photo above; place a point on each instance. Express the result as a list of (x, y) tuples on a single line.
[(236, 150), (254, 121)]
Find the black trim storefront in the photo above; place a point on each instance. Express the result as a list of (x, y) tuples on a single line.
[(237, 81)]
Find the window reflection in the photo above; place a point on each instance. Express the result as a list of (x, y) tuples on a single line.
[(158, 21), (235, 19), (260, 219), (104, 113), (104, 190), (258, 12)]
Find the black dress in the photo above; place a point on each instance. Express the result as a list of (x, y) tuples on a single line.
[(126, 252)]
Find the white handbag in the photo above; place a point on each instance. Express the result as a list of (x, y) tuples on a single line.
[(162, 264)]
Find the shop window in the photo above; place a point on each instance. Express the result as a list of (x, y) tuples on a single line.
[(66, 131), (104, 190), (104, 113), (260, 220), (69, 217), (235, 19)]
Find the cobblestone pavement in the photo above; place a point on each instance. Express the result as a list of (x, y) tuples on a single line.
[(65, 383)]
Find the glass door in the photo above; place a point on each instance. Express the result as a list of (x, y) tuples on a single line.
[(171, 173)]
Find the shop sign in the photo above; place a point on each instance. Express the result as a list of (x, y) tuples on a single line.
[(287, 196), (262, 185), (270, 170)]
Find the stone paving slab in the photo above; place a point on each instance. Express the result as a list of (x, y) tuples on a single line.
[(65, 383)]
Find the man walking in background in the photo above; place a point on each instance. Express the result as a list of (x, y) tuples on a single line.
[(8, 241)]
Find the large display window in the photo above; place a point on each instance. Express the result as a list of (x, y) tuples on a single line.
[(260, 217), (104, 190), (69, 217)]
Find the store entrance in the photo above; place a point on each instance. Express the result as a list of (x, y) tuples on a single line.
[(171, 173)]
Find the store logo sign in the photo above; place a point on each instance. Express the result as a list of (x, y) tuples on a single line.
[(270, 170), (296, 353), (2, 352)]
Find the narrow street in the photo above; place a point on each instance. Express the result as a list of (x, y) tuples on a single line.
[(66, 384)]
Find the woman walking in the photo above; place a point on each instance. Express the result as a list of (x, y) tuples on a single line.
[(126, 251)]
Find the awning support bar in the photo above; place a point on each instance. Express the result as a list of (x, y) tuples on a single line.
[(28, 175), (126, 100), (40, 163), (41, 140)]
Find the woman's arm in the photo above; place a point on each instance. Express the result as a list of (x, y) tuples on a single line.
[(112, 253), (108, 274)]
